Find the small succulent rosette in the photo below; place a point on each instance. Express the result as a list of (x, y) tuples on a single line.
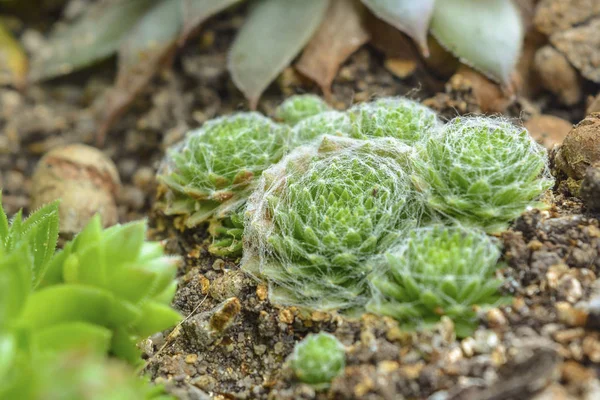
[(318, 217), (435, 271), (318, 359), (334, 123), (482, 172), (208, 177), (296, 108), (395, 117)]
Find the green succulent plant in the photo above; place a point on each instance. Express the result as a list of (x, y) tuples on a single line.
[(333, 123), (110, 287), (319, 215), (436, 271), (210, 175), (102, 293), (296, 108), (396, 117), (318, 358), (482, 172)]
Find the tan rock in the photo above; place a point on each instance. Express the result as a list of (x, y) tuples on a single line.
[(557, 75), (548, 130)]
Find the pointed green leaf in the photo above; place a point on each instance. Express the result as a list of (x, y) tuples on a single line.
[(15, 283), (73, 335), (67, 303), (3, 223), (485, 34), (410, 16), (274, 33), (155, 318)]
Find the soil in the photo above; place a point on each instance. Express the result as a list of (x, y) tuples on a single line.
[(233, 343)]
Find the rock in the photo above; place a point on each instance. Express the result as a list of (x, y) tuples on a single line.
[(581, 46), (557, 75), (581, 148), (84, 179), (548, 130), (204, 329), (558, 15), (489, 95), (590, 188)]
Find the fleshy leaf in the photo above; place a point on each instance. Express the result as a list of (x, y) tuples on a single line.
[(341, 33), (144, 50), (484, 34), (13, 61), (196, 12), (73, 335), (95, 36), (410, 16), (274, 33)]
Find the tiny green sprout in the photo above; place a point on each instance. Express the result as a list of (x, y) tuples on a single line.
[(482, 172), (210, 175), (296, 108), (320, 215), (395, 117), (333, 123), (437, 271), (227, 234), (107, 289), (318, 359)]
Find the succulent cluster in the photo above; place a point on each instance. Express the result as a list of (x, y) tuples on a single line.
[(100, 295), (482, 172), (327, 195), (319, 215), (318, 358), (435, 271)]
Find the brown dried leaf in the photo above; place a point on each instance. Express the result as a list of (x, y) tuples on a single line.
[(341, 34), (145, 50)]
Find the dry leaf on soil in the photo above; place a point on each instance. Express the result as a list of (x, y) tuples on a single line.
[(341, 34)]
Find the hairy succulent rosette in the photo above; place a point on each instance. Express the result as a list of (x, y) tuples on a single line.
[(436, 271), (213, 171), (106, 290), (333, 123), (318, 358), (483, 172), (320, 215), (395, 117), (296, 108)]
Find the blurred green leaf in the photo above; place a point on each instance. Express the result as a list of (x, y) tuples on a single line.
[(95, 36), (410, 16), (486, 35), (274, 33)]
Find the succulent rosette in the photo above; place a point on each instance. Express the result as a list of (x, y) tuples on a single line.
[(319, 215), (482, 172), (435, 271), (318, 358)]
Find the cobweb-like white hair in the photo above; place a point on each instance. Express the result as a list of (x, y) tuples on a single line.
[(319, 215)]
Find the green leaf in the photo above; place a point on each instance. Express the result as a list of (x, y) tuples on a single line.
[(42, 236), (155, 318), (15, 283), (13, 61), (95, 36), (3, 223), (274, 33), (486, 35), (67, 303), (73, 335), (410, 16)]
